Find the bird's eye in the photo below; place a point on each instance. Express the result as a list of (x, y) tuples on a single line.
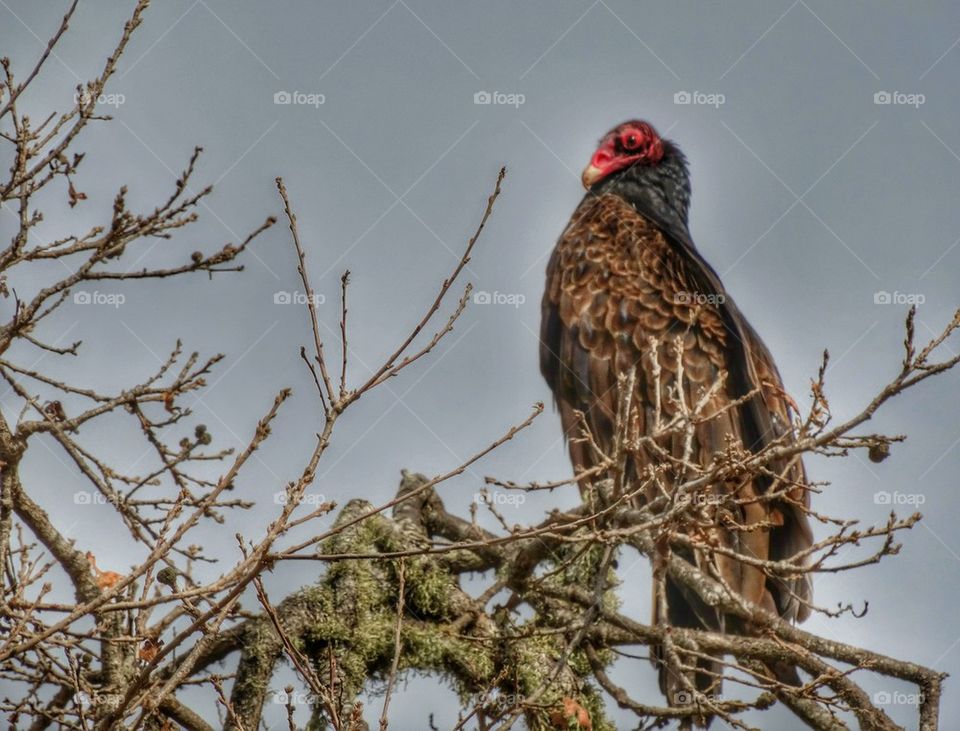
[(630, 141)]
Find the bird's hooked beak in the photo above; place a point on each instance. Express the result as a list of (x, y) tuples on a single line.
[(604, 161), (591, 174)]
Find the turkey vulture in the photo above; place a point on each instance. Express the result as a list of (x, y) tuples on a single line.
[(625, 270)]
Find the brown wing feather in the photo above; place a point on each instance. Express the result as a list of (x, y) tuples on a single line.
[(794, 534), (613, 282)]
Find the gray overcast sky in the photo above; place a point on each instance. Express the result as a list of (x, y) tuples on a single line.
[(809, 198)]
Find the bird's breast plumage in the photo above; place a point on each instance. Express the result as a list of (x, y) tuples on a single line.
[(616, 282)]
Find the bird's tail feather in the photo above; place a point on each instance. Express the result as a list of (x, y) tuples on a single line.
[(686, 609)]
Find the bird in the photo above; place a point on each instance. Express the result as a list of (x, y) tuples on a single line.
[(625, 278)]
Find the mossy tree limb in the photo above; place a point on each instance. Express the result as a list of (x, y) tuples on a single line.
[(346, 625)]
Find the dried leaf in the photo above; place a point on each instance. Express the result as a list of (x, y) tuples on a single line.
[(104, 579), (108, 579), (149, 649), (75, 196), (571, 716), (54, 409)]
